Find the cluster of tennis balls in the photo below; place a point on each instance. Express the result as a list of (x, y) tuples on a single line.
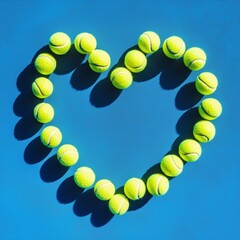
[(135, 61)]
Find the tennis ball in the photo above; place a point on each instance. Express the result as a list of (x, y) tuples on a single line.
[(189, 150), (157, 184), (118, 204), (42, 87), (67, 155), (174, 47), (171, 165), (85, 43), (51, 136), (43, 112), (206, 83), (99, 61), (194, 58), (134, 188), (135, 61), (204, 131), (104, 189), (121, 78), (60, 43), (84, 177), (210, 109), (45, 63), (149, 42)]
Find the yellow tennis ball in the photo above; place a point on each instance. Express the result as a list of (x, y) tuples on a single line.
[(60, 43), (195, 58), (121, 78), (85, 43), (189, 150), (157, 184), (118, 204), (171, 165), (135, 61), (204, 131), (206, 83), (43, 112), (42, 87), (149, 42), (99, 61), (45, 63), (104, 189), (67, 155), (51, 136), (210, 109), (135, 188), (174, 47), (84, 177)]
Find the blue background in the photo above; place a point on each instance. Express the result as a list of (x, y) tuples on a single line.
[(119, 134)]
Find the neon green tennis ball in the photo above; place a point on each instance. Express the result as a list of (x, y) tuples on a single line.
[(45, 63), (157, 184), (174, 47), (135, 188), (121, 78), (60, 43), (206, 83), (43, 112), (84, 177), (171, 165), (190, 150), (204, 131), (135, 61), (210, 109), (149, 42), (195, 58), (99, 61), (51, 136), (42, 87), (118, 204), (85, 43), (67, 155), (104, 189)]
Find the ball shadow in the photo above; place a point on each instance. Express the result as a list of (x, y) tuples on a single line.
[(52, 170), (68, 191), (35, 151), (83, 77), (187, 96)]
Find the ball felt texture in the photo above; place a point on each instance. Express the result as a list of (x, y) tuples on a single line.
[(43, 112), (104, 189), (118, 204), (149, 42), (99, 61), (206, 83), (45, 63), (42, 87), (84, 177), (135, 188), (171, 165), (174, 47), (59, 43), (51, 136), (85, 43), (135, 61), (157, 184), (195, 58), (210, 109), (67, 155), (204, 131), (121, 78), (189, 150)]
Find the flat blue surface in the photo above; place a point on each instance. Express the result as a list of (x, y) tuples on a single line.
[(119, 134)]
